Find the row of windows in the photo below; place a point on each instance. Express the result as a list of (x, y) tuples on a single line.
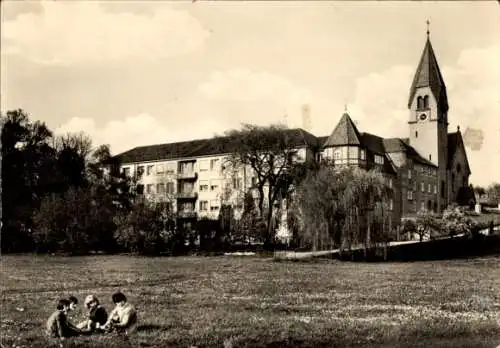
[(185, 167), (424, 171), (214, 205), (430, 189)]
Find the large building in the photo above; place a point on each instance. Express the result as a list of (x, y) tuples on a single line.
[(427, 170)]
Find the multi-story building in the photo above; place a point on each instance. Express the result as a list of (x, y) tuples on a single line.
[(195, 177), (427, 170)]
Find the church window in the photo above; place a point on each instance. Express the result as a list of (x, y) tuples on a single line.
[(423, 117), (430, 157), (426, 102), (420, 103), (416, 134)]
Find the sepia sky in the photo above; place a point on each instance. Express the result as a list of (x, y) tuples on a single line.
[(139, 73)]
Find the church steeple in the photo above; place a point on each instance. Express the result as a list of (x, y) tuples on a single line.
[(429, 75)]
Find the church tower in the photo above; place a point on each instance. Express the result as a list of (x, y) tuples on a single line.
[(428, 123)]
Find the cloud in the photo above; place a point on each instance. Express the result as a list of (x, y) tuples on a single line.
[(260, 96), (142, 129), (473, 82), (72, 32)]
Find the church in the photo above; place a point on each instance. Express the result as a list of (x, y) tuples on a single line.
[(428, 170)]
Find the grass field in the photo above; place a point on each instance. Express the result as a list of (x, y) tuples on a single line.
[(252, 302)]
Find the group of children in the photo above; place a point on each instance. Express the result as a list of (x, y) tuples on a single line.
[(123, 318)]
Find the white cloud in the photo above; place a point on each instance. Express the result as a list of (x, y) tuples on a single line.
[(122, 135), (69, 32), (262, 97), (473, 85)]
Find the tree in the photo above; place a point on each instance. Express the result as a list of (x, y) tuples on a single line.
[(345, 206), (427, 224), (455, 221), (27, 174), (494, 193), (270, 154)]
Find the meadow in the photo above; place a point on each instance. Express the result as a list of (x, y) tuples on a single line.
[(254, 302)]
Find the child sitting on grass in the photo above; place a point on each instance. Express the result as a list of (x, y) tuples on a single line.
[(97, 316), (123, 318), (57, 324)]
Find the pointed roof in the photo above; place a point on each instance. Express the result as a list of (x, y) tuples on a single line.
[(345, 133), (455, 141), (428, 74)]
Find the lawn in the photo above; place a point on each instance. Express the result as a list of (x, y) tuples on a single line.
[(253, 302)]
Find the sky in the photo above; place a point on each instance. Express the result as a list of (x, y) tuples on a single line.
[(140, 73)]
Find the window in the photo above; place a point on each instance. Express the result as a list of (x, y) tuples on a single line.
[(236, 183), (140, 170), (140, 189), (429, 189), (213, 164), (409, 195), (379, 159), (430, 157), (214, 205), (160, 169), (391, 204), (336, 154), (420, 103), (203, 165), (160, 189), (414, 186), (426, 102), (416, 134), (435, 189), (170, 187), (126, 171), (422, 205), (409, 173), (390, 182), (254, 181), (203, 186), (203, 205), (149, 188), (214, 185), (149, 169), (362, 154), (422, 187)]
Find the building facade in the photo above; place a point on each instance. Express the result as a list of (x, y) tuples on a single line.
[(428, 170)]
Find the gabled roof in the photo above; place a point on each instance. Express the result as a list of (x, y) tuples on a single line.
[(455, 141), (401, 145), (428, 74), (203, 147), (345, 133)]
